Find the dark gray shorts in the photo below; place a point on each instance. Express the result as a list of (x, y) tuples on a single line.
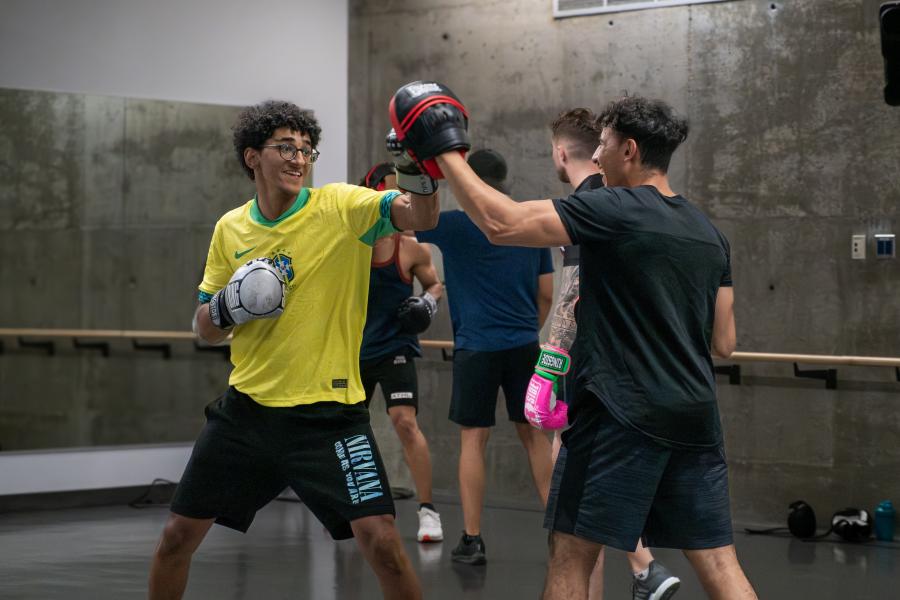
[(613, 485)]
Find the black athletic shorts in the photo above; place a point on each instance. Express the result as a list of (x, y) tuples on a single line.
[(478, 376), (614, 485), (248, 453), (396, 373)]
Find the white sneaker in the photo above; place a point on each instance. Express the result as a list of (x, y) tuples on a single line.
[(429, 526)]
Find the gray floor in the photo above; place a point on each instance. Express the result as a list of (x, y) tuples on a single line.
[(103, 553)]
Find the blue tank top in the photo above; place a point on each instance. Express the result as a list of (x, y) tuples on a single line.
[(388, 287)]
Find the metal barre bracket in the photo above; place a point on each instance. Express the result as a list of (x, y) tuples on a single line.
[(447, 356), (166, 349), (103, 347), (225, 351), (829, 376), (733, 372), (49, 346)]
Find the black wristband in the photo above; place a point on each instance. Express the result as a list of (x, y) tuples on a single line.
[(218, 314)]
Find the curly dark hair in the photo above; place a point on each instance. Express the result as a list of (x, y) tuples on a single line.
[(652, 124), (578, 126), (257, 123)]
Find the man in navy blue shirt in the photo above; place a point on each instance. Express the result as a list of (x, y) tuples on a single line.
[(644, 458), (499, 298)]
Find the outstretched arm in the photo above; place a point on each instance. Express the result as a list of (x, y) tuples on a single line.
[(504, 221)]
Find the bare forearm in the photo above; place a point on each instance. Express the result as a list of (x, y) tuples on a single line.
[(723, 348), (423, 268), (563, 327), (436, 290), (543, 310), (415, 212), (205, 329), (724, 333)]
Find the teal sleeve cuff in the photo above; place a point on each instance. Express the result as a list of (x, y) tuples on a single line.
[(383, 226), (204, 298), (385, 207)]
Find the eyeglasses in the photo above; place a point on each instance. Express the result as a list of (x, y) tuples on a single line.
[(289, 152)]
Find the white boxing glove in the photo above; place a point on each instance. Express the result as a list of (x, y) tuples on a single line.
[(255, 291)]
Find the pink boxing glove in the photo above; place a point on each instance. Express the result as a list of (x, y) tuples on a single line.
[(542, 409)]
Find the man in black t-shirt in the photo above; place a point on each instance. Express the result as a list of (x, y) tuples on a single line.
[(644, 456), (574, 138)]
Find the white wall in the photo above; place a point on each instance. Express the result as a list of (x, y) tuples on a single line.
[(215, 51)]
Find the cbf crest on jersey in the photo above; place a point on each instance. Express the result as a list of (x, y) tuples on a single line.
[(284, 264)]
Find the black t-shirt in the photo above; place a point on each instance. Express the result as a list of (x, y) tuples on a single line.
[(651, 267), (570, 253)]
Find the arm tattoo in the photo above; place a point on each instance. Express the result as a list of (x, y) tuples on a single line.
[(563, 328)]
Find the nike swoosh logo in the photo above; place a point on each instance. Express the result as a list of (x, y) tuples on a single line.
[(240, 254)]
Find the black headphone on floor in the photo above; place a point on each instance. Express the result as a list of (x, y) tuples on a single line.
[(801, 520), (850, 524)]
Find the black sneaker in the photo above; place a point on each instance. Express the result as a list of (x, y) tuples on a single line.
[(470, 550)]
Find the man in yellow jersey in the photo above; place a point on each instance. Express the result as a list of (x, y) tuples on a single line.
[(293, 414)]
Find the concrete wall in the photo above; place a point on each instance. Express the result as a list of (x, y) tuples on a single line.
[(112, 175), (791, 152), (107, 206)]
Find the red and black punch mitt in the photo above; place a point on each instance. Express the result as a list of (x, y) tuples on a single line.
[(429, 120)]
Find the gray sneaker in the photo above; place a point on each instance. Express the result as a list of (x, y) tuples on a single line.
[(659, 585)]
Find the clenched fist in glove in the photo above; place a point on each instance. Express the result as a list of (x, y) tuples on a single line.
[(415, 313), (255, 291), (542, 409)]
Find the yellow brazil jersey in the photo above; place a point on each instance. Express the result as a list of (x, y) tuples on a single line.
[(324, 245)]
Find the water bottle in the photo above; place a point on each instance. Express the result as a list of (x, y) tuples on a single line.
[(884, 521)]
